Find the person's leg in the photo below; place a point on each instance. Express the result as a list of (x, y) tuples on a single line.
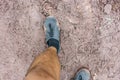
[(46, 65)]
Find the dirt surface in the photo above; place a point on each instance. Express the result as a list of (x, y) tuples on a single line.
[(90, 36)]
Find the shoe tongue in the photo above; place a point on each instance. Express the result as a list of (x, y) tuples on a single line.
[(49, 25), (80, 77)]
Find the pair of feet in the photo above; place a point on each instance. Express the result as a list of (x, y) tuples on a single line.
[(52, 33)]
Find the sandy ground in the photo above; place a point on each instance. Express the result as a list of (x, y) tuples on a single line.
[(90, 36)]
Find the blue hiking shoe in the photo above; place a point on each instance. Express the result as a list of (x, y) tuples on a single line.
[(52, 32), (82, 74)]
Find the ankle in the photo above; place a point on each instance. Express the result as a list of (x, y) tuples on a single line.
[(54, 43)]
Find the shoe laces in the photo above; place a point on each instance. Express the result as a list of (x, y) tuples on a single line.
[(51, 30)]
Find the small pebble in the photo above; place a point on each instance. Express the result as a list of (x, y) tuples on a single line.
[(108, 8)]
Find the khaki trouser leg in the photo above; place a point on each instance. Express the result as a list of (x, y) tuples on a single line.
[(46, 66)]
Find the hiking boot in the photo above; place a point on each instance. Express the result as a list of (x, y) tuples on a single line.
[(82, 74), (52, 32)]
